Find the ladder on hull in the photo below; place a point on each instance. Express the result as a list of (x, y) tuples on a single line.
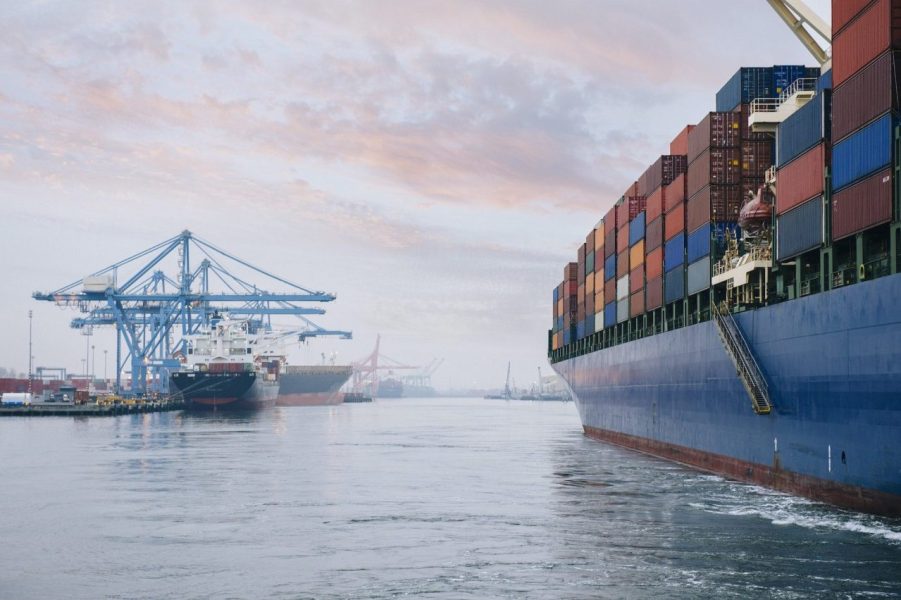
[(748, 370)]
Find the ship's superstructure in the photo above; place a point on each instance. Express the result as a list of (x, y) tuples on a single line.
[(220, 369)]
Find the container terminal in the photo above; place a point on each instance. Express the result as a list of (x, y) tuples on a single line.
[(736, 308)]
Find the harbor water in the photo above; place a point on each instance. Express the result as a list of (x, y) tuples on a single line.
[(445, 498)]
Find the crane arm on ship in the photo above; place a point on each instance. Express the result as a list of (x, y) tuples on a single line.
[(798, 16)]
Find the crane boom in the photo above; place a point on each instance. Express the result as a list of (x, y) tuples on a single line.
[(796, 15)]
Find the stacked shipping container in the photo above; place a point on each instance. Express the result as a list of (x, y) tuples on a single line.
[(865, 74)]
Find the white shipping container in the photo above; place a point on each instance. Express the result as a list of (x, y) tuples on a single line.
[(598, 321), (622, 287), (622, 310)]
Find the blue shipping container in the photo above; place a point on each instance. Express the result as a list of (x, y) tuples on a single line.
[(610, 267), (785, 75), (566, 338), (556, 295), (559, 323), (674, 285), (698, 276), (863, 152), (800, 229), (801, 131), (636, 229), (610, 314), (580, 330), (699, 243), (589, 325), (748, 83), (674, 253)]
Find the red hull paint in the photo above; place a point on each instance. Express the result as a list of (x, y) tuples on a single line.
[(215, 401), (323, 399), (773, 476)]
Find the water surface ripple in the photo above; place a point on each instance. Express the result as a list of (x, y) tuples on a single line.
[(445, 498)]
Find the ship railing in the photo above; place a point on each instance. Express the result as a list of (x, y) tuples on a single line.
[(803, 84), (743, 358)]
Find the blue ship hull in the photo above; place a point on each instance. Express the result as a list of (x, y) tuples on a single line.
[(833, 365)]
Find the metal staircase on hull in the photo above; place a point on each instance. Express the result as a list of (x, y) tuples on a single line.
[(745, 364)]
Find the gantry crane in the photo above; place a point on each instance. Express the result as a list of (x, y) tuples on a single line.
[(153, 310), (365, 375)]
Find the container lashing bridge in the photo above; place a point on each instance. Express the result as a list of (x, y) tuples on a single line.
[(154, 309)]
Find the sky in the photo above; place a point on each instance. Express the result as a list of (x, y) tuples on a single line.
[(433, 164)]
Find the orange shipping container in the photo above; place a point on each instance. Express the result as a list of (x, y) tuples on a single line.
[(589, 285), (599, 297), (636, 254), (560, 307), (636, 279), (636, 304), (654, 264), (674, 222), (599, 237)]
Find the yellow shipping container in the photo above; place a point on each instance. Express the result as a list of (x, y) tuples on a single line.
[(636, 255)]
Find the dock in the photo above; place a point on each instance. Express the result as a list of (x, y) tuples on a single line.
[(68, 409)]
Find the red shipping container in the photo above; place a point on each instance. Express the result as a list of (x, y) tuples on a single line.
[(654, 293), (675, 193), (609, 223), (631, 191), (622, 214), (662, 172), (674, 222), (716, 130), (654, 264), (589, 304), (589, 242), (622, 264), (756, 157), (801, 179), (654, 206), (714, 165), (844, 11), (653, 235), (610, 288), (862, 205), (876, 30), (610, 244), (679, 145), (870, 93), (717, 203), (599, 260), (636, 304), (622, 240), (571, 287), (570, 271), (636, 279)]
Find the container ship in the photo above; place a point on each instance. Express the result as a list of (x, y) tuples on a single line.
[(312, 385), (390, 387), (736, 309), (220, 371)]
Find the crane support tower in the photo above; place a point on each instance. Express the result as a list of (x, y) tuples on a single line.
[(154, 309), (798, 16)]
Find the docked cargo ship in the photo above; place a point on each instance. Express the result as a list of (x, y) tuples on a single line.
[(736, 309), (220, 371), (390, 387), (312, 385)]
